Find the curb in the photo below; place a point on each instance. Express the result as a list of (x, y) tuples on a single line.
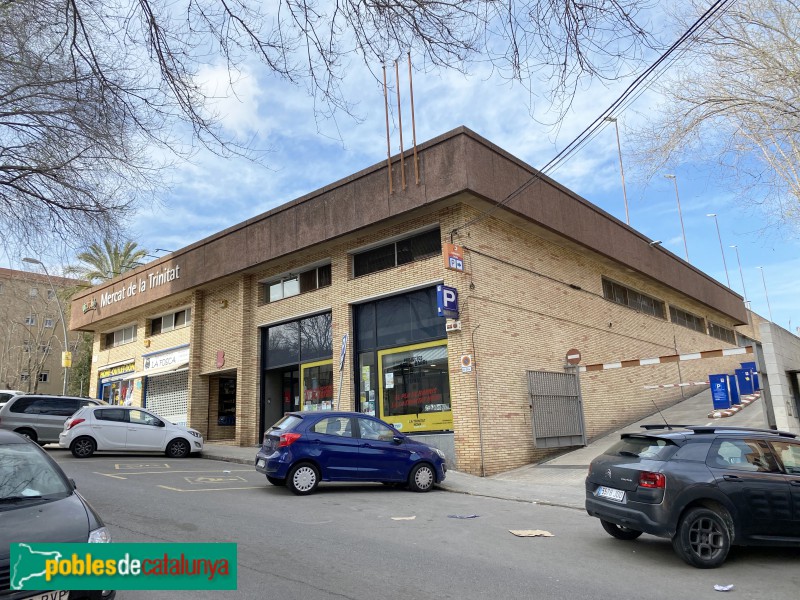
[(744, 402)]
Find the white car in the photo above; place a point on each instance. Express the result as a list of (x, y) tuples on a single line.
[(126, 428)]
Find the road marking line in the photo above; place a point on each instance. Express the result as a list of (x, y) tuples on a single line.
[(109, 475), (255, 487), (177, 472)]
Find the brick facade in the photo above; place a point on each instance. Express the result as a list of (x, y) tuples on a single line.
[(528, 294)]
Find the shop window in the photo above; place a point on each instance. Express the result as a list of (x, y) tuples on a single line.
[(120, 336), (416, 247), (626, 296), (316, 382), (721, 333), (685, 319), (415, 387), (294, 284), (226, 412), (171, 321), (299, 341)]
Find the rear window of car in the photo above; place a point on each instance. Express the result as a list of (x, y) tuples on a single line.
[(287, 423), (649, 448)]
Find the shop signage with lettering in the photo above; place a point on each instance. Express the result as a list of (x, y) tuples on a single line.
[(146, 281), (117, 370), (167, 359)]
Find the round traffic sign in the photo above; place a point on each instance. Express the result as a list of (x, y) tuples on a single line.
[(573, 356)]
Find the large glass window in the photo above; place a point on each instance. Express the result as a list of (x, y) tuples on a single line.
[(317, 386), (415, 387), (416, 247), (292, 285), (299, 341)]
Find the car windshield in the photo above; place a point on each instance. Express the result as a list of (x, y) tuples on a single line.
[(26, 474), (644, 447)]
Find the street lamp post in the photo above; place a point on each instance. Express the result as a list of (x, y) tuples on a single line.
[(680, 214), (621, 170), (764, 281), (719, 237), (60, 314), (744, 289)]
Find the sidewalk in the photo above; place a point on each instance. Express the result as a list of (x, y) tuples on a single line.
[(558, 481)]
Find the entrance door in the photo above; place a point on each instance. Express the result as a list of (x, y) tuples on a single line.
[(290, 389)]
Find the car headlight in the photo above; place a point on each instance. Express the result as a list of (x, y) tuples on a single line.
[(440, 453), (194, 433), (100, 536)]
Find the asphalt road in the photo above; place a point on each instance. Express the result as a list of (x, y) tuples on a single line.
[(344, 542)]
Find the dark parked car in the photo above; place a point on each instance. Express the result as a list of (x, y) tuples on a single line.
[(39, 504), (304, 448), (704, 487)]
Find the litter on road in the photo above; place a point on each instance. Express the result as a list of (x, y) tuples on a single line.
[(404, 518), (462, 516), (723, 588), (531, 533)]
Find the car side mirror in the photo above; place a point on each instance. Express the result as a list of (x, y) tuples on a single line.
[(398, 439), (161, 424)]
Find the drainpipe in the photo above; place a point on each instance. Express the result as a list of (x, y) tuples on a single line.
[(478, 391)]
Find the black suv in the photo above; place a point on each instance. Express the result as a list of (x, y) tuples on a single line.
[(704, 487)]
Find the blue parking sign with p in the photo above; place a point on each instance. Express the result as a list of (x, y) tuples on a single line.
[(447, 301)]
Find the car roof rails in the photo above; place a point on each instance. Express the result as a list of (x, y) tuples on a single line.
[(651, 426), (733, 429)]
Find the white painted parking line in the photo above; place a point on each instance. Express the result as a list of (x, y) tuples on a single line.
[(206, 479), (220, 489), (126, 466)]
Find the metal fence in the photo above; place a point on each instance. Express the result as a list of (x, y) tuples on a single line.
[(556, 409)]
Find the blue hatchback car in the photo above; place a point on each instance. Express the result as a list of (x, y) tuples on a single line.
[(304, 448)]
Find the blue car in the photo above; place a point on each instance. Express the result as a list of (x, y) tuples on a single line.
[(304, 448)]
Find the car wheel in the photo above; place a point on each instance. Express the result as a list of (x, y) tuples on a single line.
[(30, 434), (703, 539), (620, 532), (83, 447), (276, 480), (421, 478), (178, 448), (303, 479)]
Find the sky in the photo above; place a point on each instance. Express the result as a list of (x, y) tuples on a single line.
[(306, 153)]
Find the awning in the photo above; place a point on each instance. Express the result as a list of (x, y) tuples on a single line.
[(158, 371)]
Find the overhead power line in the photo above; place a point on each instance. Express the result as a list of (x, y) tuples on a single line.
[(631, 93)]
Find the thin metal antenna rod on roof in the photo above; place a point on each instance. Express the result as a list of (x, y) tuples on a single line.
[(400, 125), (413, 122), (388, 142)]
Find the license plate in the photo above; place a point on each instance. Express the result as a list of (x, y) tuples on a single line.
[(261, 462), (610, 494), (49, 596)]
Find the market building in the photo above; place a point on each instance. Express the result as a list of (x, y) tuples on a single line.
[(341, 298)]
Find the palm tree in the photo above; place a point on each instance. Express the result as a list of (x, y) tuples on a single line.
[(100, 264)]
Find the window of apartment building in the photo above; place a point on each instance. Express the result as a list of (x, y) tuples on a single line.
[(632, 299), (48, 323), (1, 287), (721, 333), (33, 292), (44, 349), (44, 377), (24, 377), (298, 283), (685, 319), (120, 336), (171, 321), (26, 346), (51, 295), (30, 320), (386, 256)]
